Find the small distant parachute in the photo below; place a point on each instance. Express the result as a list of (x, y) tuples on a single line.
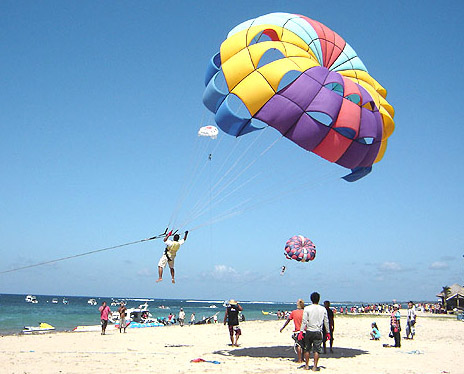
[(282, 270), (208, 131), (300, 248)]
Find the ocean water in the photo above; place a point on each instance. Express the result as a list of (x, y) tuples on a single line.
[(15, 312)]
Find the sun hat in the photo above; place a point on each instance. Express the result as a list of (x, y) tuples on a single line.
[(232, 302)]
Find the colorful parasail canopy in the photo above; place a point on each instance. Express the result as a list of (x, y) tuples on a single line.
[(300, 248), (292, 73)]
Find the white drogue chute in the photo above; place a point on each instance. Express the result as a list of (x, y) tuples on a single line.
[(208, 131)]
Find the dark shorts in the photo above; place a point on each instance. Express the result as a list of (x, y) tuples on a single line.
[(104, 323), (235, 328), (313, 341), (295, 338)]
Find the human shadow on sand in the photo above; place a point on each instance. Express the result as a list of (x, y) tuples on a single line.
[(287, 352)]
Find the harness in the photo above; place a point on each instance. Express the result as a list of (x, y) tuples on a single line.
[(166, 254)]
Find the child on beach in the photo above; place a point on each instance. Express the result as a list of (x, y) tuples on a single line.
[(375, 333)]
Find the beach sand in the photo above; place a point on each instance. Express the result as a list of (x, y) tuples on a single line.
[(437, 348)]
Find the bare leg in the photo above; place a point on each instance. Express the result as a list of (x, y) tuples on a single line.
[(160, 274), (299, 352), (172, 275), (316, 359), (232, 339), (236, 339), (306, 357)]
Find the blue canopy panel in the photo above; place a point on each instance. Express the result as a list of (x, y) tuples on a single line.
[(357, 173)]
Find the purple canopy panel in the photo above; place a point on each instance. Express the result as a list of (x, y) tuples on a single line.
[(318, 73), (354, 155), (369, 127), (334, 77), (302, 91), (307, 132), (326, 101), (280, 113)]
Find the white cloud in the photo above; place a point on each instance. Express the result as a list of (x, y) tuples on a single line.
[(223, 271), (390, 267), (145, 272), (226, 273), (438, 265)]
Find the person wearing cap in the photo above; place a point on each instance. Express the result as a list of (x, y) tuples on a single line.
[(122, 317), (395, 326), (172, 246), (231, 318), (181, 317)]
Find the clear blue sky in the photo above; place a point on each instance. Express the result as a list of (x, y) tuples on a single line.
[(101, 102)]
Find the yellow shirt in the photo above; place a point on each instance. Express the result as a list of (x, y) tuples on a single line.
[(173, 247)]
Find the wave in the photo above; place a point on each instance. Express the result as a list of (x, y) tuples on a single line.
[(205, 301)]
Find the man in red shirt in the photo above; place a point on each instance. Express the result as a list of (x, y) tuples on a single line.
[(104, 313), (297, 316)]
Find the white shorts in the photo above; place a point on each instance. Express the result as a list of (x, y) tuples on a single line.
[(164, 260)]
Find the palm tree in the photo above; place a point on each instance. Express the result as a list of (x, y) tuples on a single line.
[(446, 292)]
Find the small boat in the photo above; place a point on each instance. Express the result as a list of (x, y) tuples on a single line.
[(207, 320), (31, 299), (87, 328), (265, 313), (139, 325), (42, 328), (92, 301), (65, 300), (213, 306), (55, 301)]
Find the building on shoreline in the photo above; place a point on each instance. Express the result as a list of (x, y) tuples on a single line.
[(454, 297)]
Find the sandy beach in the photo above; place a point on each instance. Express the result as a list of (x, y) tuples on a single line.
[(437, 348)]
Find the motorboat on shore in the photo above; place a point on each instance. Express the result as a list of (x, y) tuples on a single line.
[(31, 299), (207, 320), (42, 328), (137, 317)]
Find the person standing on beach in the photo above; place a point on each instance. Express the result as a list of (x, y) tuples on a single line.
[(172, 246), (231, 318), (104, 313), (411, 321), (314, 316), (297, 316), (122, 317), (181, 317), (395, 326), (192, 319), (330, 315)]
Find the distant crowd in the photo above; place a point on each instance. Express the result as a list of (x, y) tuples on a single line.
[(435, 308)]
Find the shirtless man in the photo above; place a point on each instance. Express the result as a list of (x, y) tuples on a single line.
[(122, 317), (172, 246)]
